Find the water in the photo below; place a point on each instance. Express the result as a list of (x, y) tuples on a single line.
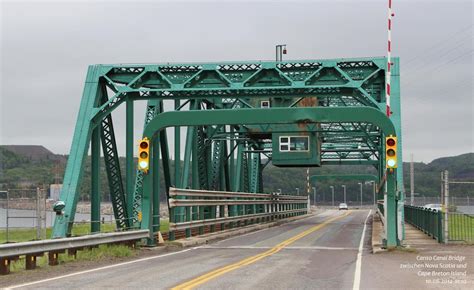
[(15, 222), (465, 209)]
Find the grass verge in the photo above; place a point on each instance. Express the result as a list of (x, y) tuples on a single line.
[(95, 254), (461, 227)]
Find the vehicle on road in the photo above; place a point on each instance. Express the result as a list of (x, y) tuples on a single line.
[(435, 206), (343, 206)]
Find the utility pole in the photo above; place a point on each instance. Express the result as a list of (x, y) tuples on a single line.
[(360, 183), (314, 196), (375, 201), (412, 181), (332, 188), (307, 183), (297, 191), (344, 194), (446, 206), (38, 213)]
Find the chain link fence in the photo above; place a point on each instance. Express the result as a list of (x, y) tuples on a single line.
[(26, 215)]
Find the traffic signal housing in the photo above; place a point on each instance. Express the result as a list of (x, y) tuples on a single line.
[(144, 155), (391, 152)]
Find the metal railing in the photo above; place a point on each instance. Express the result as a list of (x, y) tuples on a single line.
[(233, 207), (430, 221), (32, 250)]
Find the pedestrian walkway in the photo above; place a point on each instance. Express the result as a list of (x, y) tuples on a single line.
[(416, 238)]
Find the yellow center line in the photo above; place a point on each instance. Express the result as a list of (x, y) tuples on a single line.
[(250, 260)]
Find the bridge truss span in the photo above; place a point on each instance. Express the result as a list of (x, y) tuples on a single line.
[(239, 117)]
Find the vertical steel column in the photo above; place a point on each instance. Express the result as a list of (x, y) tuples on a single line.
[(238, 176), (156, 185), (130, 165), (231, 157), (151, 111), (195, 169), (177, 150), (391, 211), (254, 171), (238, 167), (446, 206), (78, 153), (187, 164), (95, 177), (232, 173), (176, 214), (147, 199)]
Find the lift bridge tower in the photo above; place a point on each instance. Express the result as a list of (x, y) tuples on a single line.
[(239, 116)]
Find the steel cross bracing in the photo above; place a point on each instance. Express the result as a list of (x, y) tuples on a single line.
[(151, 112), (225, 155), (114, 175)]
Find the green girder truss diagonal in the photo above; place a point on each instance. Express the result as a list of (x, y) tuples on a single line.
[(229, 136)]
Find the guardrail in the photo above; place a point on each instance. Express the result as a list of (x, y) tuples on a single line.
[(54, 247), (430, 221), (233, 207)]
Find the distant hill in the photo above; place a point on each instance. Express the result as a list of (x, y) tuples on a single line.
[(33, 152), (28, 165)]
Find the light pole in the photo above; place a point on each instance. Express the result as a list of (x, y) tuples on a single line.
[(280, 49), (360, 183), (314, 196), (375, 201), (344, 193), (297, 191), (332, 189), (373, 183), (279, 190)]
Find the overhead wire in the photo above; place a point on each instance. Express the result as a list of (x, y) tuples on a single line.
[(437, 44)]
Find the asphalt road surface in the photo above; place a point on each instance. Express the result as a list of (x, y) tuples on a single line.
[(325, 251)]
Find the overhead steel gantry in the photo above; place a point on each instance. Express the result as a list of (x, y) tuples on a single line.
[(239, 117)]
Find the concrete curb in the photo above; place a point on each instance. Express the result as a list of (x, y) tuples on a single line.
[(211, 237), (377, 230)]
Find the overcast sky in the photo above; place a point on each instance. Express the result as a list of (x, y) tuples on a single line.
[(47, 46)]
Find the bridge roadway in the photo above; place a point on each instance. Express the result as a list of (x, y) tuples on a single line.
[(319, 252)]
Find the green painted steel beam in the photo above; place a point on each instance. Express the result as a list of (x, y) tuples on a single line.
[(95, 183), (350, 136), (359, 81), (78, 153), (270, 116), (281, 116), (130, 164)]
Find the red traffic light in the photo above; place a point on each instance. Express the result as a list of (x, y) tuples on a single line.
[(144, 145), (390, 142)]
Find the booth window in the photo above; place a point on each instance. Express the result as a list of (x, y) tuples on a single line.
[(294, 143), (265, 104)]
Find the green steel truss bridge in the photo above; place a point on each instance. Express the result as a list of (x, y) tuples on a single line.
[(239, 116)]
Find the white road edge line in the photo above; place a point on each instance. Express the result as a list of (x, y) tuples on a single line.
[(358, 270), (132, 262), (285, 248), (97, 269)]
